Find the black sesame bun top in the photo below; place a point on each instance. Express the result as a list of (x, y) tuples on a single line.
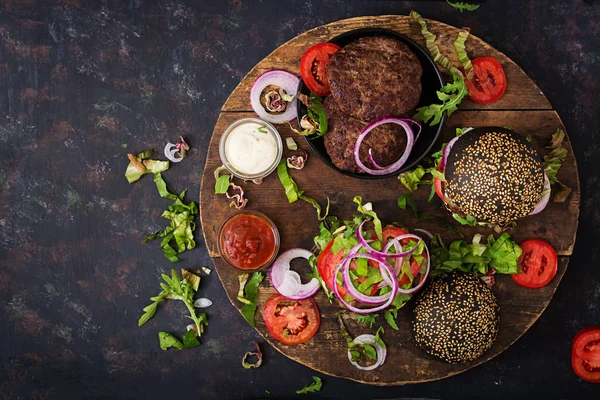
[(494, 175), (456, 318)]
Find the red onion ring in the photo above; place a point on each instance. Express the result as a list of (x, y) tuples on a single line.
[(287, 282), (383, 254), (410, 139), (367, 310), (539, 207), (354, 292), (448, 147), (285, 80), (381, 352), (414, 289)]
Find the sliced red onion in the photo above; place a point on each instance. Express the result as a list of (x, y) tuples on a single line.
[(381, 352), (287, 282), (384, 254), (396, 242), (285, 80), (367, 310), (354, 292), (410, 139), (170, 151), (545, 198)]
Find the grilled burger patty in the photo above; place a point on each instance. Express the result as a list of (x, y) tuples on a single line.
[(494, 175), (386, 141), (374, 77)]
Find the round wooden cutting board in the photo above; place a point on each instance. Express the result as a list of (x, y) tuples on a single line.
[(523, 108)]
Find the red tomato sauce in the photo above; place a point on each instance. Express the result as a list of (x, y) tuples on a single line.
[(248, 241)]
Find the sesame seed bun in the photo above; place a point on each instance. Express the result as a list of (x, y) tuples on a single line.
[(456, 318), (494, 175)]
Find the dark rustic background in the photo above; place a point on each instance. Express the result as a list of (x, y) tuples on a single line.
[(83, 82)]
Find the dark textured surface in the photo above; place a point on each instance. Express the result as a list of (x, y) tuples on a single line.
[(81, 79)]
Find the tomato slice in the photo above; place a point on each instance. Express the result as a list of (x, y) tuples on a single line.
[(326, 265), (538, 262), (585, 357), (437, 182), (313, 67), (291, 321), (488, 83)]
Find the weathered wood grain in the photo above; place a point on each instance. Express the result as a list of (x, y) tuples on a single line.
[(405, 363), (298, 224), (524, 108)]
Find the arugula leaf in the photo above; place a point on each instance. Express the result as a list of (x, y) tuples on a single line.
[(249, 309), (313, 387), (140, 165), (316, 112), (553, 162), (293, 193), (460, 6), (175, 288), (390, 316), (366, 319), (166, 341), (433, 49), (461, 52), (370, 351), (451, 95), (378, 339)]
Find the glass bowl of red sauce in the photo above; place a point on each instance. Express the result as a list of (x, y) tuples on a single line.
[(248, 241)]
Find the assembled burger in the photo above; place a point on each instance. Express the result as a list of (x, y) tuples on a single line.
[(491, 176)]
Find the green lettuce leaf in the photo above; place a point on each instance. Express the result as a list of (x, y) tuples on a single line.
[(461, 52), (140, 165), (293, 193), (433, 49), (166, 341), (248, 310)]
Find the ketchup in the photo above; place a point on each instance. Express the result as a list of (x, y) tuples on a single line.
[(248, 241)]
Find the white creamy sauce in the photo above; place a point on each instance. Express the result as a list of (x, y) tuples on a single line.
[(249, 150)]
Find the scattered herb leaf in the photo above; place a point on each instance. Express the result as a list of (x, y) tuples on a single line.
[(367, 319), (313, 387), (460, 6)]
